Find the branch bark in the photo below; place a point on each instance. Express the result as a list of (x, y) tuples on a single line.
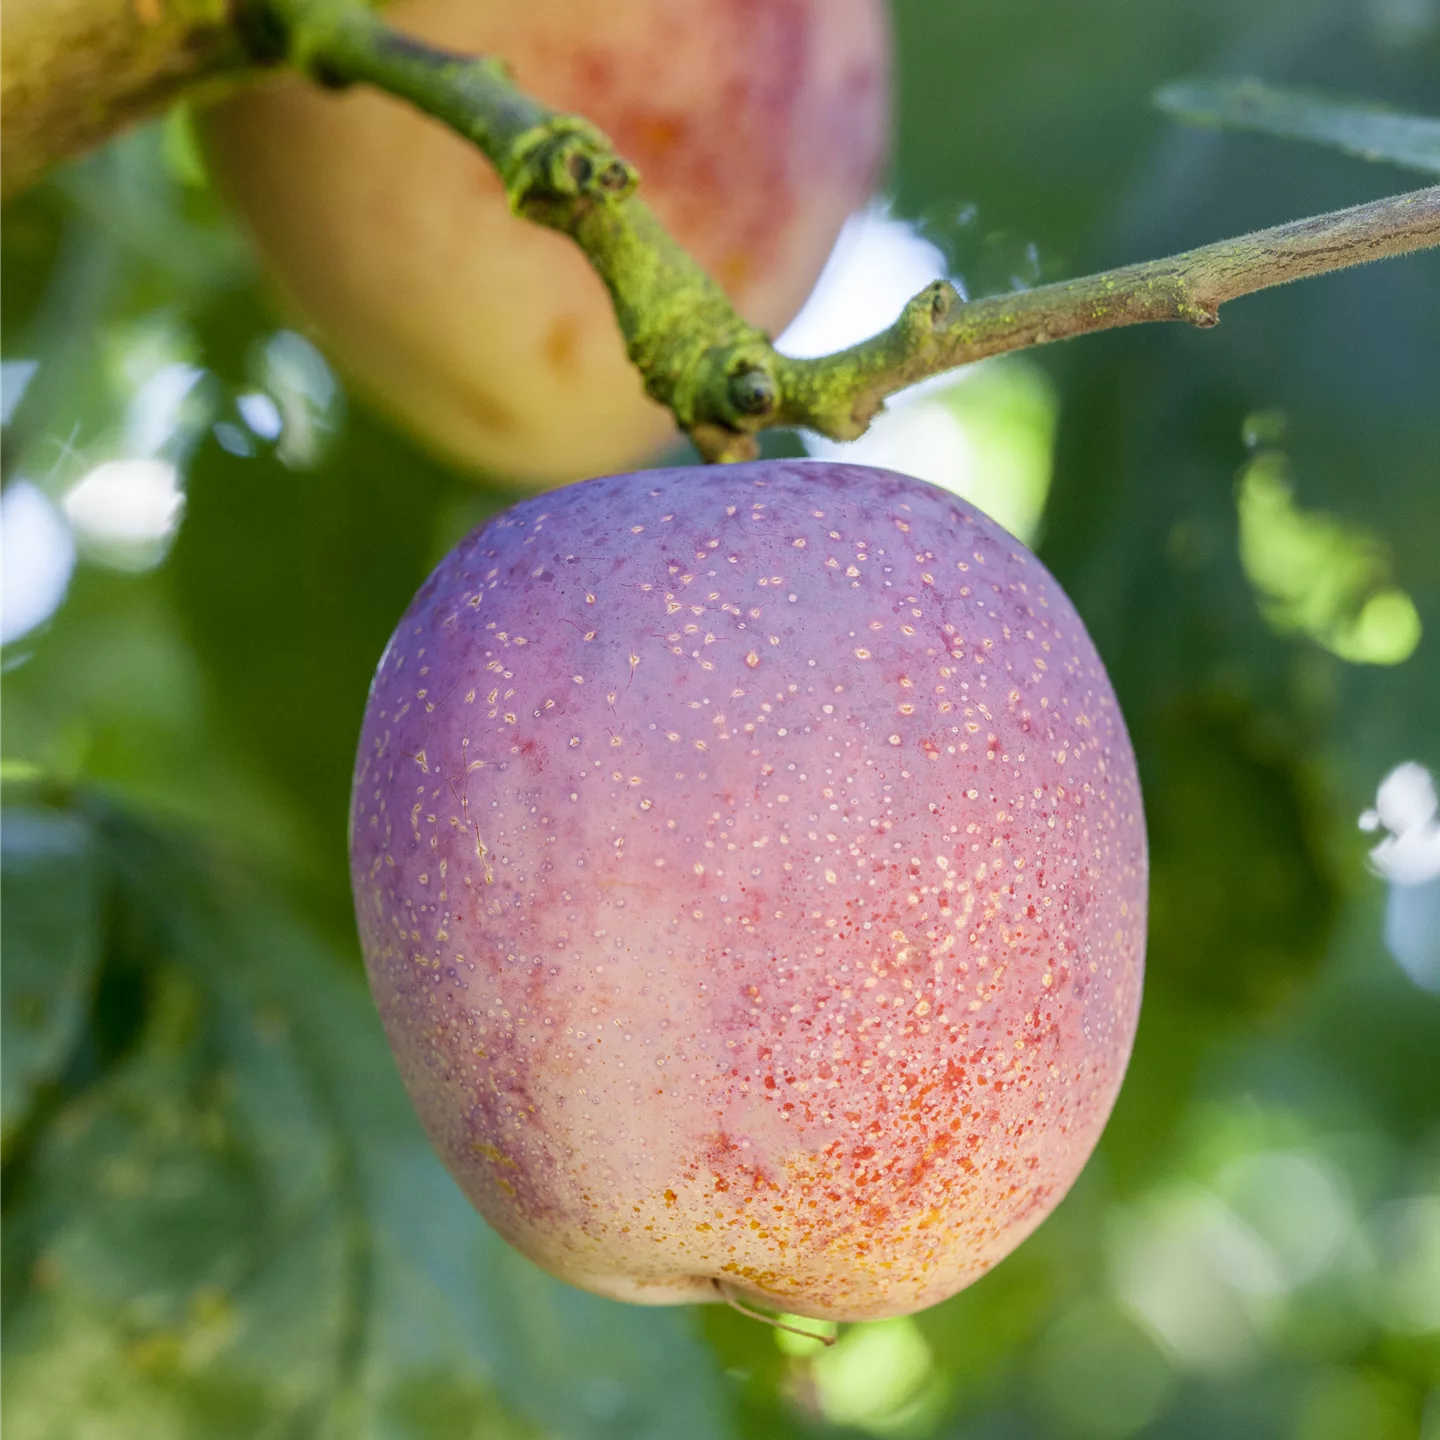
[(839, 394)]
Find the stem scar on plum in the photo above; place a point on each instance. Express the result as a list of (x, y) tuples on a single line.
[(729, 1297)]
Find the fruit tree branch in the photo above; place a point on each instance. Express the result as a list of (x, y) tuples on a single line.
[(721, 377), (74, 70), (839, 394), (558, 170)]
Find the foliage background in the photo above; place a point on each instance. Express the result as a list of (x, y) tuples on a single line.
[(220, 1217)]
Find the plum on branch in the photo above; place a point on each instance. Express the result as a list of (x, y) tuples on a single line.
[(751, 872)]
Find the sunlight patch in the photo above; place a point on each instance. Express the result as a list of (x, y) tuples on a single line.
[(125, 512), (38, 557), (1408, 857), (1317, 575), (879, 1376)]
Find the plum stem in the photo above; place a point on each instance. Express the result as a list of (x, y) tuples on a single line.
[(720, 376), (728, 1296)]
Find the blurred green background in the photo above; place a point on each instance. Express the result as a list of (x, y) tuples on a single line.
[(220, 1218)]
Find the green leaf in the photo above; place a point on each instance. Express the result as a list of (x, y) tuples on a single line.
[(51, 906), (1357, 127), (1240, 899), (172, 1267)]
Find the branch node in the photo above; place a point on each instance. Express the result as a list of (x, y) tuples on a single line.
[(927, 313), (753, 390), (943, 299), (327, 77), (263, 35), (565, 160)]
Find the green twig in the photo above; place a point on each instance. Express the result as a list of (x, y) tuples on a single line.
[(839, 394), (721, 377)]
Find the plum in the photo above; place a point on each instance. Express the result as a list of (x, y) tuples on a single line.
[(751, 873), (757, 127)]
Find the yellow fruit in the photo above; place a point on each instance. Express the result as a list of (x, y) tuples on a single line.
[(757, 126)]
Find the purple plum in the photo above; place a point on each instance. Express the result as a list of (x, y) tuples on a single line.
[(751, 872)]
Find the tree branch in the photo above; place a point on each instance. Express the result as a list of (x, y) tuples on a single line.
[(694, 352), (73, 70), (839, 394), (721, 377)]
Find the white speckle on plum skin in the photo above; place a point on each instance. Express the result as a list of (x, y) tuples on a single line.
[(764, 954)]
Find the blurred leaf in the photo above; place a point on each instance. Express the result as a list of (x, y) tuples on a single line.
[(1356, 127), (1241, 904), (113, 692), (179, 1278), (52, 947), (161, 219), (1024, 121), (239, 1228), (30, 241), (81, 281), (106, 240)]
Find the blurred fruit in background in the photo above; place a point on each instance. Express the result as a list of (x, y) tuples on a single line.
[(756, 128)]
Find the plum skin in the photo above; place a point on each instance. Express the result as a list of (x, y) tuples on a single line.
[(751, 873), (757, 127)]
